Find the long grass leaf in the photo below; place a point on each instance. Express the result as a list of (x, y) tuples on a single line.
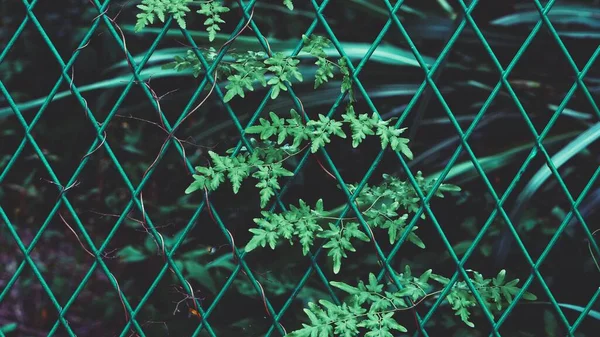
[(592, 313), (385, 53), (560, 14), (381, 11), (466, 171), (154, 72), (561, 157)]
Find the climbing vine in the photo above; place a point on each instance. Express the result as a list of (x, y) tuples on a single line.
[(371, 307)]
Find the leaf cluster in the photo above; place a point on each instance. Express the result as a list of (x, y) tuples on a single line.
[(386, 201), (364, 125), (495, 293), (276, 71), (247, 69), (305, 224), (396, 193), (264, 164), (152, 9), (370, 307), (212, 10), (319, 132), (257, 67), (315, 45), (188, 61)]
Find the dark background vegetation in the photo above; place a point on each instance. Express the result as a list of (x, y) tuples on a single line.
[(503, 141)]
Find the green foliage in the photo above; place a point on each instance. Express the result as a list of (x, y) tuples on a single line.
[(152, 9), (346, 80), (255, 67), (496, 293), (382, 205), (315, 46), (319, 131), (276, 71), (395, 192), (299, 221), (266, 163), (370, 307), (263, 164), (249, 60), (289, 4), (283, 69), (385, 205), (338, 241), (189, 61), (212, 10), (248, 68), (363, 125)]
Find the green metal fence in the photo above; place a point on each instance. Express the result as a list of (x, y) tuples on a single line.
[(428, 87)]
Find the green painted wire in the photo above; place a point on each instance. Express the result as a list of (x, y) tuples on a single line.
[(386, 259)]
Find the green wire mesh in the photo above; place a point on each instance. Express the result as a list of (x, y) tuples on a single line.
[(427, 87)]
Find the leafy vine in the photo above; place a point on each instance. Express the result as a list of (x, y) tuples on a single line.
[(370, 307), (211, 9), (276, 71)]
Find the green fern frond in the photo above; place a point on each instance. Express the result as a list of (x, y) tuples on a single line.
[(213, 10), (370, 308), (263, 164), (152, 9), (384, 204), (289, 4)]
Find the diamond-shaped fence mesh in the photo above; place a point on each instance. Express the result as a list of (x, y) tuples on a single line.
[(100, 143)]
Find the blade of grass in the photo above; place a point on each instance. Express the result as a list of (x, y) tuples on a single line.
[(152, 72), (379, 10), (466, 171), (582, 141), (569, 151), (592, 313), (385, 53), (560, 14)]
